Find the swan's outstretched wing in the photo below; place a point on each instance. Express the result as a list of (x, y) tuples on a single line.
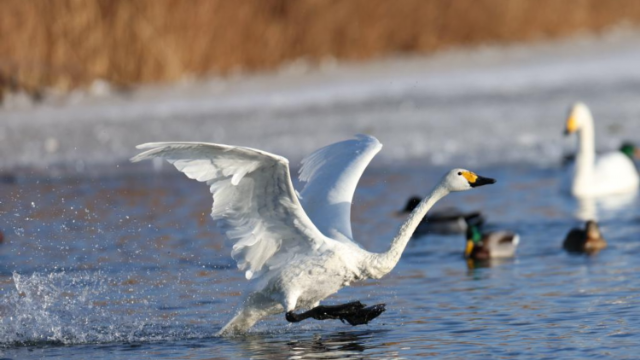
[(331, 175), (253, 201)]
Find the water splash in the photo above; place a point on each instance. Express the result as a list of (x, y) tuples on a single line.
[(79, 308)]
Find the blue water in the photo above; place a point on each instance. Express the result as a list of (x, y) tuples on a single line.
[(131, 266)]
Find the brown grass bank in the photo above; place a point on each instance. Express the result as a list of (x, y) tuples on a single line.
[(67, 43)]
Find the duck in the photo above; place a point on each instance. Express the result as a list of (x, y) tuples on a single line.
[(297, 248), (490, 245), (611, 173), (631, 150), (445, 221), (588, 240)]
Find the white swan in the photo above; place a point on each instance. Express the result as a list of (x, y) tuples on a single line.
[(296, 258), (611, 173)]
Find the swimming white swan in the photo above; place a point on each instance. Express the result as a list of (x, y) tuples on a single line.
[(298, 250), (611, 173)]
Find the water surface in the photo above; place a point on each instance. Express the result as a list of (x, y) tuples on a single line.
[(132, 266)]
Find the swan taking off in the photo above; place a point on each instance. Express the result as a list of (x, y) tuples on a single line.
[(298, 250), (611, 173)]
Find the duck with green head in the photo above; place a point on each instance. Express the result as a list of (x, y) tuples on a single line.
[(490, 245), (629, 149)]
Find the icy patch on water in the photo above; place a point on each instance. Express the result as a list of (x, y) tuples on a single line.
[(61, 308)]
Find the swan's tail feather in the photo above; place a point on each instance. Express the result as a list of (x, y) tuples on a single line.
[(240, 323), (250, 314)]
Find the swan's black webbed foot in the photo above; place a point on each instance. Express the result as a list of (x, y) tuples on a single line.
[(292, 317), (364, 315), (355, 313)]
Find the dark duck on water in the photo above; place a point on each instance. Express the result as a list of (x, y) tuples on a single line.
[(445, 221), (588, 240)]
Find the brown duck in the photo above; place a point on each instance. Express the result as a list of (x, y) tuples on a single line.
[(588, 241)]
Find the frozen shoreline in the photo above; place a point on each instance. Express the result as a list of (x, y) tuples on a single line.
[(473, 107)]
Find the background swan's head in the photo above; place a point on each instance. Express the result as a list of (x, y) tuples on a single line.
[(579, 115), (461, 180)]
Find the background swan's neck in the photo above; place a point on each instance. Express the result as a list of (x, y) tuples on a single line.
[(382, 264), (585, 158)]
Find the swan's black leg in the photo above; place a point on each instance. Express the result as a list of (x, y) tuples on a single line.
[(355, 313)]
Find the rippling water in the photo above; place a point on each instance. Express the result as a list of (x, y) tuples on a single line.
[(132, 265)]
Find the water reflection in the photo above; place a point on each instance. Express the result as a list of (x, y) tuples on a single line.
[(587, 208), (479, 264), (143, 264), (339, 345)]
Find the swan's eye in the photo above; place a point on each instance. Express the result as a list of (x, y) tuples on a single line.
[(460, 173)]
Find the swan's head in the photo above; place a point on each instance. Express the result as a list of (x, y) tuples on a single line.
[(461, 180), (579, 115)]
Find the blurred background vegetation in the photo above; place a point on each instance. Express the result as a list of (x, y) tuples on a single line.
[(65, 44)]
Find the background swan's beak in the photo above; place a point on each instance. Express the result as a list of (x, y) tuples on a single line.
[(482, 181), (566, 132)]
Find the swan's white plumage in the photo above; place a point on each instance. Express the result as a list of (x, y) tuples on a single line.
[(257, 208), (613, 174), (608, 174), (253, 201), (331, 175)]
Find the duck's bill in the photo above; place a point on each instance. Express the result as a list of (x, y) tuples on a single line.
[(468, 249), (481, 180)]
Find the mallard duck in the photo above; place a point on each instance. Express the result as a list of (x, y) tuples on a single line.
[(631, 150), (611, 173), (588, 240), (444, 221), (490, 245)]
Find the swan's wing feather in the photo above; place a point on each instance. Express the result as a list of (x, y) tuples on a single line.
[(254, 202), (331, 175)]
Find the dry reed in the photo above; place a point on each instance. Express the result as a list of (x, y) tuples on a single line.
[(68, 43)]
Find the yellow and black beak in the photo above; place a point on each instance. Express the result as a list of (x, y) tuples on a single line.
[(482, 181), (476, 180), (468, 249)]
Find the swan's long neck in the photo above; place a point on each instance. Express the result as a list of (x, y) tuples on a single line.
[(585, 159), (381, 264)]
